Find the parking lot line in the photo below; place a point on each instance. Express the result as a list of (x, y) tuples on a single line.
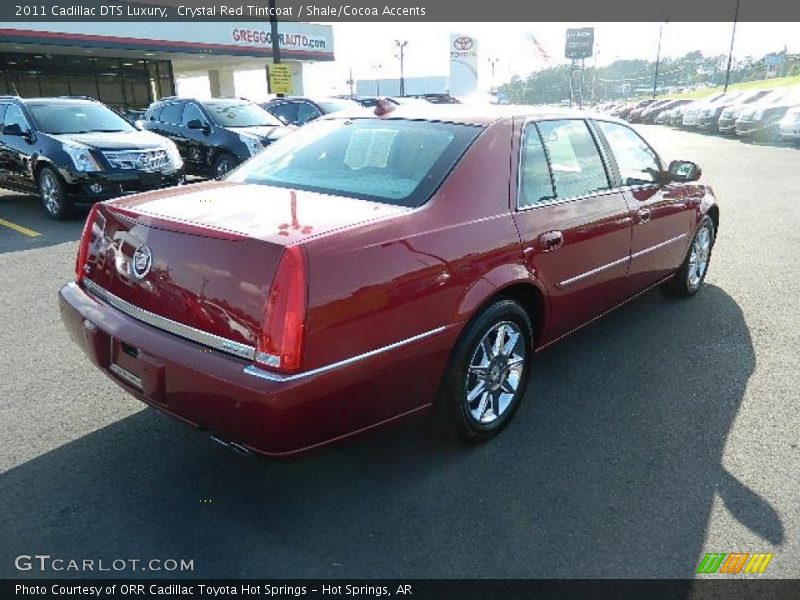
[(19, 228)]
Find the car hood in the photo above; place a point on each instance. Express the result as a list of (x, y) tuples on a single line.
[(114, 140), (269, 132)]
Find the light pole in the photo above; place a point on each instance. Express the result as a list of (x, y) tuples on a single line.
[(377, 68), (493, 62), (402, 46), (730, 52), (658, 58)]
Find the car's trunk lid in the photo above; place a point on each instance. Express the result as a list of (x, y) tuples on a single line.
[(199, 261)]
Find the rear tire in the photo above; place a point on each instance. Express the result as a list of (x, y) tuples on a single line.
[(486, 377), (689, 278), (53, 194)]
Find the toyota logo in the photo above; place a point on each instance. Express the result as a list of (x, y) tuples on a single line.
[(462, 44), (141, 262)]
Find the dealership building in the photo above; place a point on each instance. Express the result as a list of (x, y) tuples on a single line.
[(129, 65)]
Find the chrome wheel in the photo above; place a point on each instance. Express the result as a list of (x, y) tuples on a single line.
[(51, 192), (223, 165), (698, 258), (495, 372)]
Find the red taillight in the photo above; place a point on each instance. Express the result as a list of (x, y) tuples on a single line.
[(280, 342), (83, 248)]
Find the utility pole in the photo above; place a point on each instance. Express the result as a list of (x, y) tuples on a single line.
[(273, 32), (402, 46), (658, 59), (730, 52)]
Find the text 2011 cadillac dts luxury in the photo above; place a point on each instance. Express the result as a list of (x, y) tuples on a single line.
[(368, 267)]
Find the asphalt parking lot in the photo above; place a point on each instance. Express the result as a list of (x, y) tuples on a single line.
[(665, 430)]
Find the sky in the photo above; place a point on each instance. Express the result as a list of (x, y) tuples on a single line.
[(363, 46), (360, 46)]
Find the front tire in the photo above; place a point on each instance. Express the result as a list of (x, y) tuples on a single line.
[(54, 197), (488, 372), (688, 279), (223, 164)]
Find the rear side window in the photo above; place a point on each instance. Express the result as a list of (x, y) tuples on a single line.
[(535, 182), (171, 113), (636, 161), (574, 158), (395, 161), (153, 113)]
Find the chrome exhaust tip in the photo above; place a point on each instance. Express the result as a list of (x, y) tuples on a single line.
[(235, 446)]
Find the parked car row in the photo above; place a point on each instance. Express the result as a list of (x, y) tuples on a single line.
[(760, 114)]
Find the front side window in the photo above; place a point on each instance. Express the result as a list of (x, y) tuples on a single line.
[(192, 112), (14, 116), (637, 162), (574, 158), (239, 114), (68, 117), (395, 161), (535, 182)]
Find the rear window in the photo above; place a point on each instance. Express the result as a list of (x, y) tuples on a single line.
[(394, 161)]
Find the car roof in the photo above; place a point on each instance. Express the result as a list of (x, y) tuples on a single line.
[(467, 114), (58, 100)]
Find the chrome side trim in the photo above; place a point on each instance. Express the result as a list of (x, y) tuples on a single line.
[(593, 272), (261, 373), (657, 246), (170, 326), (600, 269)]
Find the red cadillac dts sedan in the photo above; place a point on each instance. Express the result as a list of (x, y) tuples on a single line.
[(368, 267)]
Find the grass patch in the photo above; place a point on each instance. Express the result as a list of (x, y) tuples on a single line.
[(765, 84)]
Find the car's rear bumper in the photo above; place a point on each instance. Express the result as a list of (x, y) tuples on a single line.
[(271, 415)]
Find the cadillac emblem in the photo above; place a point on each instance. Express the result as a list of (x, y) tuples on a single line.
[(141, 262)]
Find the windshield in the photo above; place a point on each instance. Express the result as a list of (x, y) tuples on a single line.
[(239, 114), (76, 118), (395, 161)]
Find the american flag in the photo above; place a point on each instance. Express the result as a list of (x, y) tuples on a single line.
[(538, 48)]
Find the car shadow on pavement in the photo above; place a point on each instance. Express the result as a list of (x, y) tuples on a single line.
[(609, 469)]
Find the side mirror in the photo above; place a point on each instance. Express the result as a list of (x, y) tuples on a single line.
[(14, 129), (684, 170), (198, 124), (139, 124)]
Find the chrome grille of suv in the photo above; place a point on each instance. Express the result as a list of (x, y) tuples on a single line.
[(143, 160)]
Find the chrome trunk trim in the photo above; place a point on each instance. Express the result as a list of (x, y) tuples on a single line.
[(185, 331)]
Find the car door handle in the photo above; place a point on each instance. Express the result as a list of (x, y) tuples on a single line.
[(644, 215), (551, 240)]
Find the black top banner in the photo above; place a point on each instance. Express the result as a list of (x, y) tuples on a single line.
[(398, 10)]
